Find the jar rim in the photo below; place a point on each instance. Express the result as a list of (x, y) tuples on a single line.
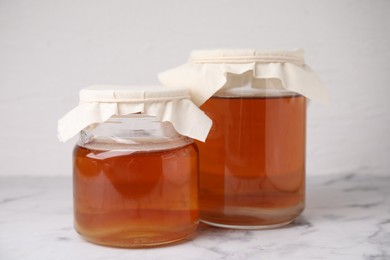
[(131, 94), (247, 56)]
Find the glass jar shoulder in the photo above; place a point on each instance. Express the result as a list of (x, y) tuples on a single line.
[(134, 133)]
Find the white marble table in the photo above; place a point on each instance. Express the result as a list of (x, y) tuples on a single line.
[(346, 217)]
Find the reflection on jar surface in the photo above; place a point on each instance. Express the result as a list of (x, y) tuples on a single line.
[(252, 165), (136, 198)]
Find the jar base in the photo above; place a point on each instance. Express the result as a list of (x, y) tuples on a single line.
[(259, 227), (141, 240), (251, 218)]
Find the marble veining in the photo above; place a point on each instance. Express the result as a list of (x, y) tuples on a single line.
[(347, 216)]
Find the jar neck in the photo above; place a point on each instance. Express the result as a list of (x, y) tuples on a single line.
[(245, 85), (134, 132)]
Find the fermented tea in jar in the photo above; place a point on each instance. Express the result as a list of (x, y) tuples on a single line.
[(252, 165), (135, 167)]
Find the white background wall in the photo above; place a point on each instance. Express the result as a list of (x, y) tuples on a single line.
[(50, 49)]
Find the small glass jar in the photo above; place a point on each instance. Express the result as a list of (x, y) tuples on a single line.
[(252, 165), (135, 183), (135, 165)]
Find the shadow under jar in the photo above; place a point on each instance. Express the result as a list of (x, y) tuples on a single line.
[(135, 183), (252, 165)]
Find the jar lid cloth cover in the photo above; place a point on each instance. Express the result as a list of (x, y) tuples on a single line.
[(100, 102), (207, 72)]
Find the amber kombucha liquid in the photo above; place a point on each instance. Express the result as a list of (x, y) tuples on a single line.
[(136, 199), (252, 165)]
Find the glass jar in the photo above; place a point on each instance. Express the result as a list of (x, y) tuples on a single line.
[(252, 165), (135, 183), (135, 165)]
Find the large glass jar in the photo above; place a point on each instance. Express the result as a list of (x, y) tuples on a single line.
[(135, 183), (252, 165), (135, 165)]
